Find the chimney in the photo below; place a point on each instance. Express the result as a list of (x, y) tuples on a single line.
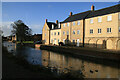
[(56, 21), (46, 20), (70, 13), (92, 8)]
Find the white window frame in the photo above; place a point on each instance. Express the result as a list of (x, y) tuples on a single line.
[(109, 18), (78, 23), (99, 31), (99, 19), (91, 20), (91, 31), (78, 31), (73, 23), (109, 30)]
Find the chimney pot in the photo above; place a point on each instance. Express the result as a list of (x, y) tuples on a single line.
[(92, 8), (70, 13), (56, 21), (46, 20)]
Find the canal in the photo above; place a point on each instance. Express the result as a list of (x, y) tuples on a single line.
[(60, 63)]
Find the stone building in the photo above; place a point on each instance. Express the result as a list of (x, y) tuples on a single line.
[(93, 28)]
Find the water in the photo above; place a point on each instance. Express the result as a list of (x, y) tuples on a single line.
[(60, 63)]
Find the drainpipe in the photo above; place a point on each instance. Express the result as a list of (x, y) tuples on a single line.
[(83, 32), (49, 36)]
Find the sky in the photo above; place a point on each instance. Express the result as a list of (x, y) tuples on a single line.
[(34, 14)]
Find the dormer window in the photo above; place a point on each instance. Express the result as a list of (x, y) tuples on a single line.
[(59, 25), (64, 25), (52, 26), (67, 24), (109, 18)]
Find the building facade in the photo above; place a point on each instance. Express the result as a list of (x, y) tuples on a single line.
[(93, 28)]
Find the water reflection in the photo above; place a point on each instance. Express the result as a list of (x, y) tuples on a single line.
[(59, 63), (64, 64)]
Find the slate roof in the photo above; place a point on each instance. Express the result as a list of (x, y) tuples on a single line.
[(104, 11), (78, 16), (89, 14), (50, 25)]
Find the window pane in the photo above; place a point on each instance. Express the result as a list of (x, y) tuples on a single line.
[(78, 23)]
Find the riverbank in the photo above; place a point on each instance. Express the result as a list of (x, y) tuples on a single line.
[(88, 53)]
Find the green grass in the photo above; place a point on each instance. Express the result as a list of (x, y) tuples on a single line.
[(26, 41)]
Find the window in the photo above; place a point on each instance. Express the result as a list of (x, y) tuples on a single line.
[(91, 31), (63, 32), (74, 32), (78, 31), (119, 29), (64, 25), (68, 24), (51, 33), (59, 25), (73, 23), (91, 20), (58, 33), (54, 33), (45, 34), (52, 26), (109, 18), (99, 19), (51, 41), (109, 30), (119, 16), (99, 30), (67, 32), (78, 23)]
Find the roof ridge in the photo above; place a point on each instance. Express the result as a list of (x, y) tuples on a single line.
[(107, 7)]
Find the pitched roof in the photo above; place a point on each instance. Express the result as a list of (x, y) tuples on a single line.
[(89, 14), (104, 11), (50, 25), (75, 17)]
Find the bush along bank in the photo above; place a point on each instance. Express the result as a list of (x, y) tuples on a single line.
[(83, 53)]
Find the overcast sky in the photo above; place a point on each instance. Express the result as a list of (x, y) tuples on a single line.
[(34, 14)]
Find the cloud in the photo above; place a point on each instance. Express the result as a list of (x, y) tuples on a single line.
[(36, 28), (6, 28)]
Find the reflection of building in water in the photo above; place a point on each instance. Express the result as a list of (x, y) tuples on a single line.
[(45, 58), (63, 64)]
